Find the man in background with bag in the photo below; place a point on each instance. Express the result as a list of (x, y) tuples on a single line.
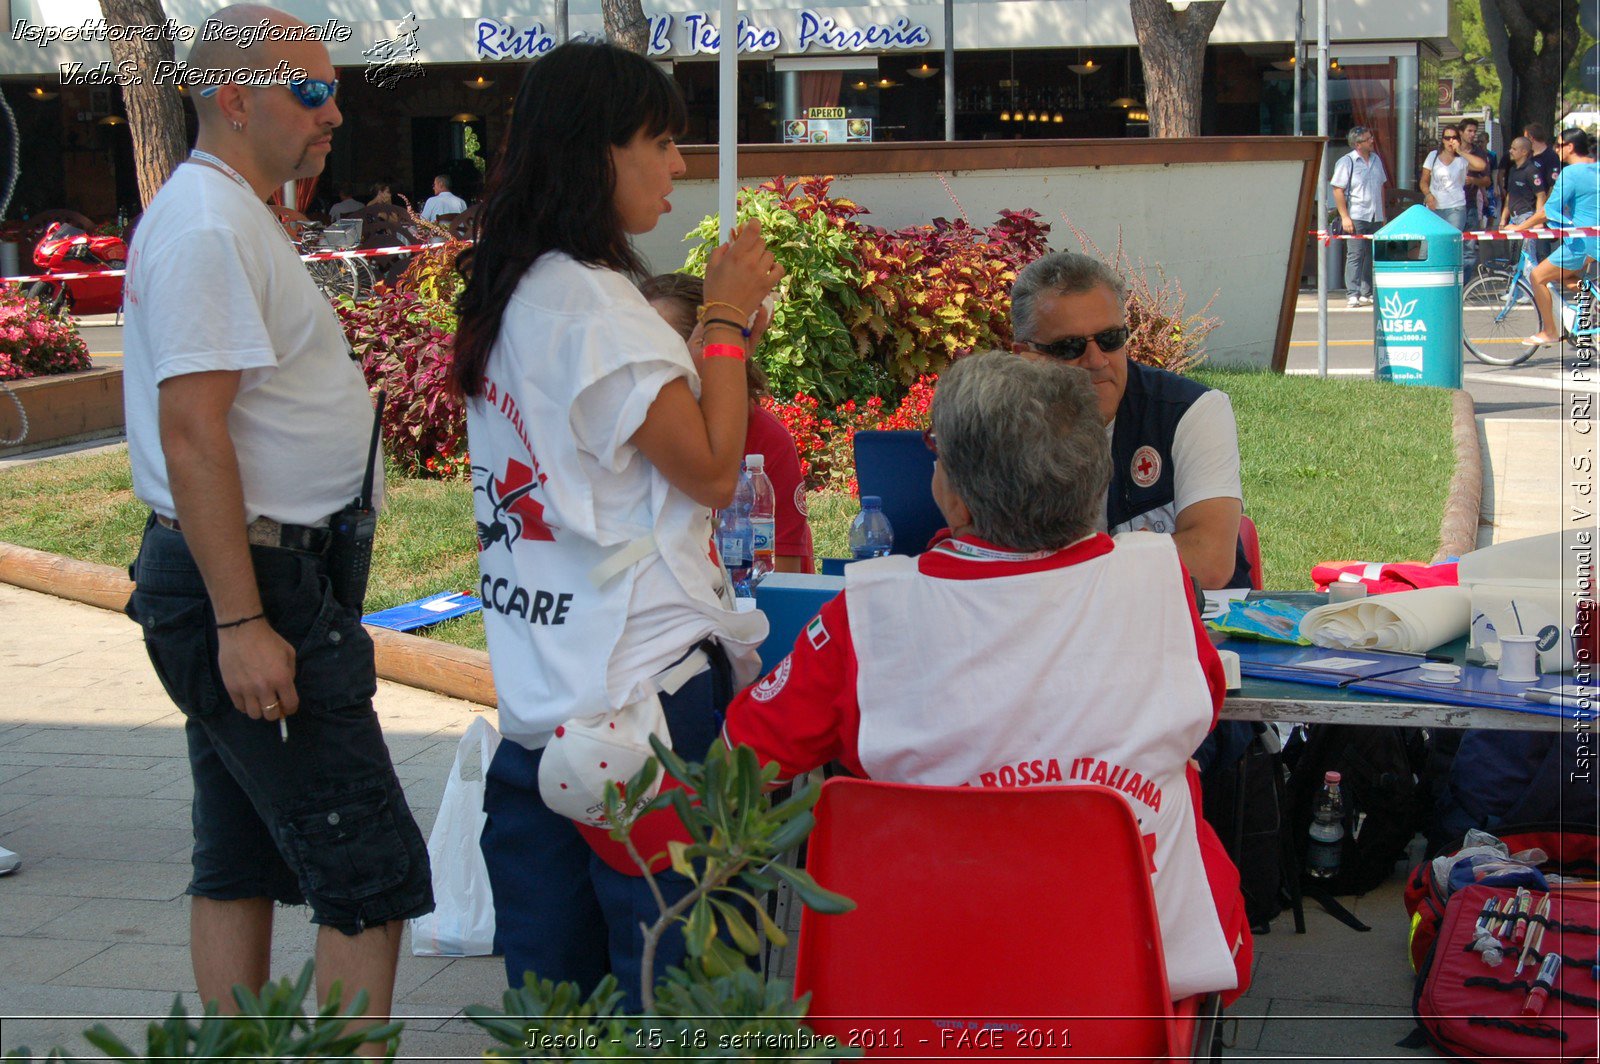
[(248, 429)]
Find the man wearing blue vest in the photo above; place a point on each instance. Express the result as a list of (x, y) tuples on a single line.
[(1174, 443)]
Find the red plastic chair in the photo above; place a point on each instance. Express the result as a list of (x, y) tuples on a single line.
[(1252, 550), (989, 922)]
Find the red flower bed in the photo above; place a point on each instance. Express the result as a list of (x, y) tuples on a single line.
[(825, 437), (34, 342)]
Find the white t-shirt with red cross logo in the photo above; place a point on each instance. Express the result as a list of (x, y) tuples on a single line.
[(973, 665)]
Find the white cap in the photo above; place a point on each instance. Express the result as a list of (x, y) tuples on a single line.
[(755, 461)]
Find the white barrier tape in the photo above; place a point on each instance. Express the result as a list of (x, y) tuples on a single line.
[(316, 256), (1328, 236)]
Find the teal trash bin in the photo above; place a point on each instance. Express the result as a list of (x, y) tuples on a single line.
[(1416, 280)]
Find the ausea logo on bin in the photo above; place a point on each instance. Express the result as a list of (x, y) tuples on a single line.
[(1397, 315)]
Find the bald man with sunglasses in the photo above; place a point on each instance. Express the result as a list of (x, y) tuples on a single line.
[(1174, 443), (248, 428)]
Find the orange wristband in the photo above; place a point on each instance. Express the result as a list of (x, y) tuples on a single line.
[(723, 351)]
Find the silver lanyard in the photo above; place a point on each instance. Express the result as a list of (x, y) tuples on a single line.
[(211, 160)]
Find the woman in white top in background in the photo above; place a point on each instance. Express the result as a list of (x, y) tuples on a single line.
[(597, 451), (1444, 185)]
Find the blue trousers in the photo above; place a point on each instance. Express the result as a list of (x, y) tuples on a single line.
[(560, 911)]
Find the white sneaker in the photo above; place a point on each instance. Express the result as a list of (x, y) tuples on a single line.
[(9, 862), (1365, 301), (1353, 302)]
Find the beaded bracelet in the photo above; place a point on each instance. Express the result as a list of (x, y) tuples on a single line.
[(241, 620), (723, 351), (700, 313), (744, 331)]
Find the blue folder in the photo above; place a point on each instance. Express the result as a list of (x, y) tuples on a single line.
[(1394, 675), (409, 616)]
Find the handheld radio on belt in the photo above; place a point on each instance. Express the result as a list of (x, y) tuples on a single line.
[(351, 531)]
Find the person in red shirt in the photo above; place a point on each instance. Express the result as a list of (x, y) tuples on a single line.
[(677, 297), (1025, 650)]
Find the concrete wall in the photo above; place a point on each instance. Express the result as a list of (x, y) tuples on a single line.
[(1219, 229)]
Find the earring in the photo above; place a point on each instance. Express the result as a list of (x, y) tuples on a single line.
[(238, 127)]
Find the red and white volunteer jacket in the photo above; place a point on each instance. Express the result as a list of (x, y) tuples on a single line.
[(973, 665)]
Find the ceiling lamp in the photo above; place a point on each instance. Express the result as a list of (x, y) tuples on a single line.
[(1124, 102), (1284, 64), (1033, 116), (923, 71), (1005, 116), (38, 93), (478, 83), (1084, 68), (861, 86), (464, 118), (112, 120), (885, 83), (1058, 118), (1138, 117)]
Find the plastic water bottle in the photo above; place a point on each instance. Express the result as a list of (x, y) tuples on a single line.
[(734, 538), (870, 534), (1327, 830), (763, 517)]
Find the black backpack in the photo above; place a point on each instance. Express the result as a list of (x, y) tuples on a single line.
[(1244, 803), (1385, 806)]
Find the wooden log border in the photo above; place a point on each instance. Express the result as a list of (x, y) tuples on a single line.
[(428, 664)]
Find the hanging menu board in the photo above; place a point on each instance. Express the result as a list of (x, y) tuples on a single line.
[(826, 125)]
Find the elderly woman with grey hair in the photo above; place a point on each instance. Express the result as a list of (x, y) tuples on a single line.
[(1027, 649)]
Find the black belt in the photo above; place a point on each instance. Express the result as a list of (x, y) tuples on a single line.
[(265, 532)]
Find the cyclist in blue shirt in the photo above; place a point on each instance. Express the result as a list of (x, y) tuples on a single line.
[(1574, 201)]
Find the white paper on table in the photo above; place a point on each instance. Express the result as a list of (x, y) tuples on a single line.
[(1412, 621), (1216, 603)]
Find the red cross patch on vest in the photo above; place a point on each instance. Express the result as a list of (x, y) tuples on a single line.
[(1145, 467)]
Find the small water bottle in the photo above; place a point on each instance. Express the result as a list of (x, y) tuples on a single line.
[(1327, 830), (870, 534), (763, 517), (734, 537)]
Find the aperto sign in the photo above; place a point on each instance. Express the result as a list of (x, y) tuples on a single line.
[(696, 33)]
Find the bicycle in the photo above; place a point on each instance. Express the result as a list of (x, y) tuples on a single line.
[(334, 278), (1508, 296)]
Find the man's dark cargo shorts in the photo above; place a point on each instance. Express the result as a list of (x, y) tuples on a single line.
[(319, 819)]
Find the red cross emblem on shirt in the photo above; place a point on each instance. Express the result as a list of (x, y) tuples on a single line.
[(1146, 466)]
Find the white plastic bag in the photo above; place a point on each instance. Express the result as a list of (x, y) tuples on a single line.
[(462, 921)]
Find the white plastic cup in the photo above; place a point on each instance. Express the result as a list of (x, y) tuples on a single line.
[(1344, 591), (1519, 658)]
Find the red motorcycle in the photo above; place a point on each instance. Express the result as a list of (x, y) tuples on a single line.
[(66, 249)]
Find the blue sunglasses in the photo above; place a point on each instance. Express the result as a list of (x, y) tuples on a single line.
[(311, 92)]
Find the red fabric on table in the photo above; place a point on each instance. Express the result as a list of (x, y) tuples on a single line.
[(1383, 577)]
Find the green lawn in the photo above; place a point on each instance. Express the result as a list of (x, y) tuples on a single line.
[(1332, 469)]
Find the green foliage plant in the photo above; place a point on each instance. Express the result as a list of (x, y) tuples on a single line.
[(808, 349), (932, 293), (715, 1005), (271, 1026), (405, 342)]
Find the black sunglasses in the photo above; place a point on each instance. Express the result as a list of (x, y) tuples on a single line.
[(1071, 348)]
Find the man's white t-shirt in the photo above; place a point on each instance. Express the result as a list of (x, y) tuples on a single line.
[(446, 202), (214, 284), (1448, 181), (1205, 464)]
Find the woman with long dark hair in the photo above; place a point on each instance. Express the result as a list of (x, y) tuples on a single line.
[(597, 448)]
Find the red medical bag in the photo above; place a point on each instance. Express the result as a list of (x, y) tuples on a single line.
[(1471, 1010)]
